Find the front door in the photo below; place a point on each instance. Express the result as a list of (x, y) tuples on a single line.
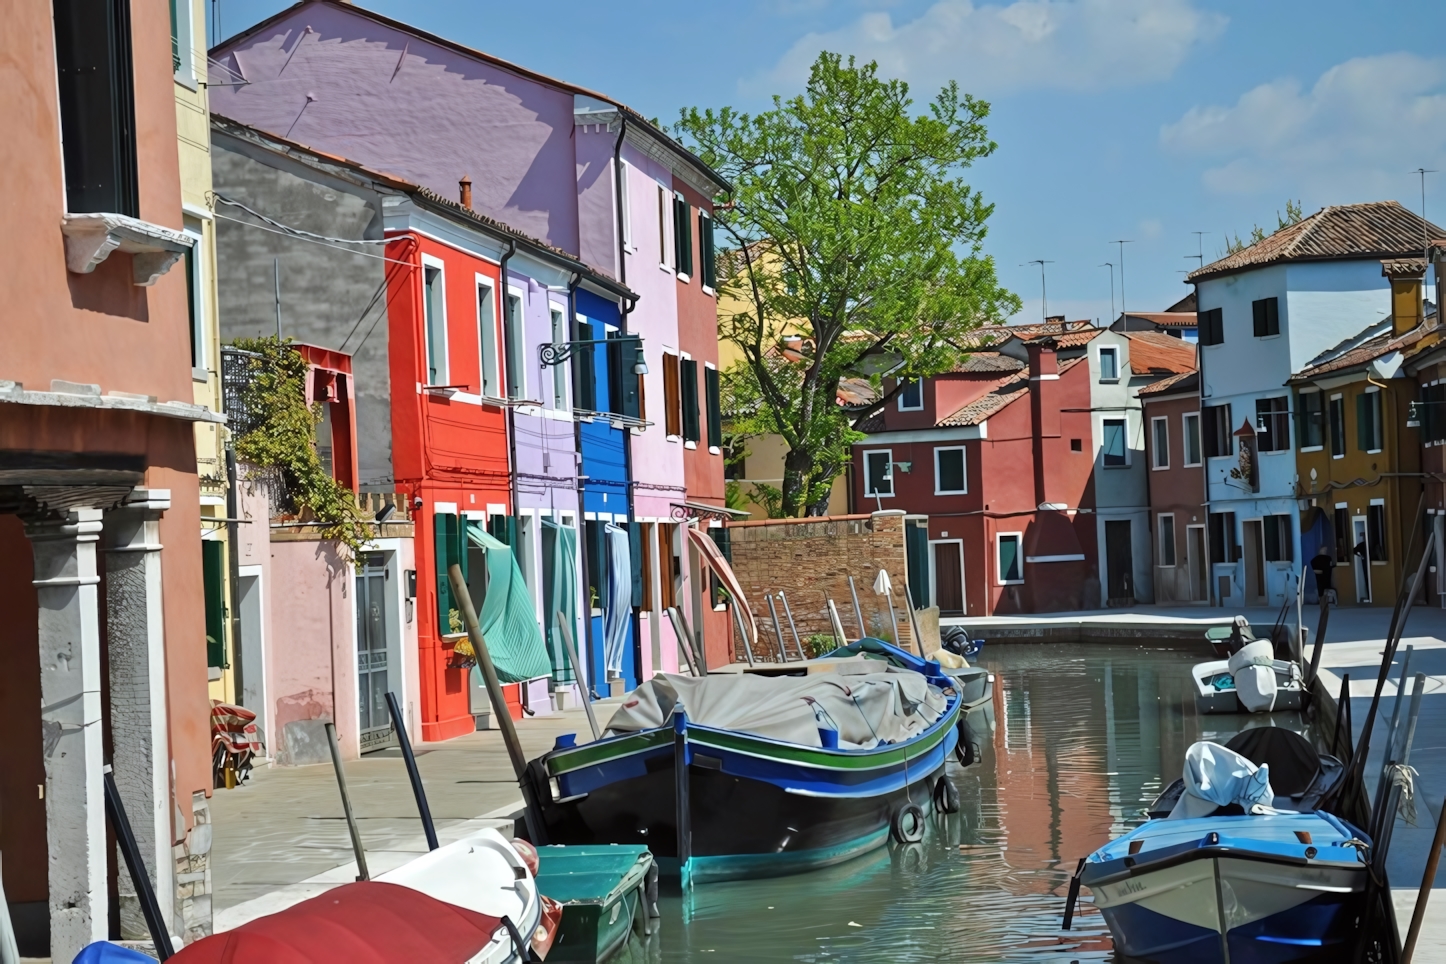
[(1198, 562), (1254, 563), (1361, 554), (372, 667), (949, 577), (1120, 563)]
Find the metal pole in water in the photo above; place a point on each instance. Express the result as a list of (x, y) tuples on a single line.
[(792, 626), (1396, 710), (685, 639), (777, 629), (1416, 692), (838, 630), (126, 840), (411, 761), (577, 670), (356, 841), (742, 631), (858, 612)]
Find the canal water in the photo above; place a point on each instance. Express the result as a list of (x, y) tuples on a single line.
[(1085, 737)]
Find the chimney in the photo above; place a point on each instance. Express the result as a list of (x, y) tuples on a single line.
[(1043, 407), (1408, 277), (1054, 320), (466, 185)]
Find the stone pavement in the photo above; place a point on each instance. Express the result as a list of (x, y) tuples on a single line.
[(282, 837)]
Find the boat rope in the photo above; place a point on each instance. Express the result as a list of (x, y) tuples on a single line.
[(908, 788)]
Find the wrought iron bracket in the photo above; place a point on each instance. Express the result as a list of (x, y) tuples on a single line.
[(555, 353)]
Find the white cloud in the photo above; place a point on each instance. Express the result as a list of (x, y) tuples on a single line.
[(1071, 44), (1352, 136)]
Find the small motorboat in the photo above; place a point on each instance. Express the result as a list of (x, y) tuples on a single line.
[(737, 775), (1227, 875), (608, 894), (1301, 778), (1249, 679)]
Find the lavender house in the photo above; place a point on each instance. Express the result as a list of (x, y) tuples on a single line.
[(595, 180)]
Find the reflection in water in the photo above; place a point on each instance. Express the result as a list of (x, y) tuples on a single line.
[(1086, 736)]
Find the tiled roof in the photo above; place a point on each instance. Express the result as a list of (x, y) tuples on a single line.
[(988, 361), (1186, 303), (1006, 391), (994, 335), (1380, 229), (855, 391), (1165, 319), (1351, 356), (1175, 384), (1156, 353)]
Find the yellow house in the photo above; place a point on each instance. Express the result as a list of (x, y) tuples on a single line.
[(193, 132), (1359, 453)]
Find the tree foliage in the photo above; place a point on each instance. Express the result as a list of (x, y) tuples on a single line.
[(850, 225), (1293, 215)]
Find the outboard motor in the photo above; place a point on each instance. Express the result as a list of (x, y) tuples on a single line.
[(1253, 667)]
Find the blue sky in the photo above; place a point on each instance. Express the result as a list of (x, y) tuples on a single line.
[(1137, 119)]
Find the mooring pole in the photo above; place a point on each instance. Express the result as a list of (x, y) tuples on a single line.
[(356, 841), (577, 670), (838, 630), (424, 811), (792, 626), (777, 629), (683, 813), (742, 631), (858, 611), (126, 838), (685, 640)]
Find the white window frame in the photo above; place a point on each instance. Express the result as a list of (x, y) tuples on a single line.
[(1378, 429), (513, 291), (186, 44), (703, 215), (1100, 363), (1156, 451), (999, 538), (900, 400), (561, 372), (489, 370), (444, 368), (199, 320), (1160, 541), (1345, 436), (1125, 437), (1185, 441), (964, 464), (888, 474), (703, 391), (683, 276), (1325, 419), (665, 221), (625, 171)]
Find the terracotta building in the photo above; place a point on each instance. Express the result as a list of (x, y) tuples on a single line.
[(1171, 414), (100, 522)]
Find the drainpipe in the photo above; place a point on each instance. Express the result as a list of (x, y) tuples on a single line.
[(233, 576), (511, 422), (618, 200), (585, 677), (626, 306)]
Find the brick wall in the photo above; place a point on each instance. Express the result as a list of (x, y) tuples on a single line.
[(810, 560)]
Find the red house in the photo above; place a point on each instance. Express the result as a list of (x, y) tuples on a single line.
[(991, 463)]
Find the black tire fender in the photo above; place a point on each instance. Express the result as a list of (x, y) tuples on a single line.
[(907, 824), (946, 796)]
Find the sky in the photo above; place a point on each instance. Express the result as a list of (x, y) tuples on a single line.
[(1141, 120)]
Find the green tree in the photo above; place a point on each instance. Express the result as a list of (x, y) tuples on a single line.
[(1293, 215), (850, 225)]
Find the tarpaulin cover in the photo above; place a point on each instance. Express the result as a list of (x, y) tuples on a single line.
[(1294, 763), (559, 544), (618, 607), (507, 619), (362, 923), (866, 709), (1216, 776), (716, 561)]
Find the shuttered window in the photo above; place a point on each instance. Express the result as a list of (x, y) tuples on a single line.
[(1211, 327), (1266, 316), (688, 382), (1368, 421), (213, 578), (1278, 541), (97, 105), (713, 405), (584, 369), (1337, 422), (1312, 419), (1272, 424), (1218, 440), (706, 254), (682, 236), (672, 411), (449, 547)]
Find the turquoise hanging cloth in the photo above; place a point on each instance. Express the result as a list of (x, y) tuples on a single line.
[(507, 619), (559, 595)]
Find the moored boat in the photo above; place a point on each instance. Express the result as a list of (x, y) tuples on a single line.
[(738, 775)]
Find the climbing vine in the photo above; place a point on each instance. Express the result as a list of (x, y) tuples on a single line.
[(281, 435)]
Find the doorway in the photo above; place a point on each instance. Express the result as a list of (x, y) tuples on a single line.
[(1361, 556), (1254, 538), (1119, 563), (253, 659), (373, 618), (949, 576), (1197, 561)]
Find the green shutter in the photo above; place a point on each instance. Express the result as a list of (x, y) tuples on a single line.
[(689, 379), (213, 575), (715, 416), (635, 554), (444, 551)]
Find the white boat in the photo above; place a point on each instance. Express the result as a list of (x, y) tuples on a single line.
[(1252, 680)]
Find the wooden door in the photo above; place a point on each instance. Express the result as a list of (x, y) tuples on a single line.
[(949, 577)]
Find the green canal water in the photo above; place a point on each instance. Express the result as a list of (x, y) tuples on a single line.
[(1085, 737)]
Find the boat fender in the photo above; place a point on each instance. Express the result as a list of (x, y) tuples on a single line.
[(946, 796), (907, 825), (964, 750)]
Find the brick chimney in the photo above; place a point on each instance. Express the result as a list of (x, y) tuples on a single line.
[(1408, 287), (1043, 406), (466, 185)]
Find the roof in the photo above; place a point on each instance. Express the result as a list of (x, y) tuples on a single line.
[(1380, 229), (1173, 385), (1164, 319), (993, 335), (633, 116), (1363, 348), (987, 361), (1006, 391), (855, 391), (1155, 353), (427, 196), (1186, 303)]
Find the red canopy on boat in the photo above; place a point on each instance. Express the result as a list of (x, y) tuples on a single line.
[(362, 923)]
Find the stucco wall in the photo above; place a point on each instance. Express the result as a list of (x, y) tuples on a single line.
[(1176, 490)]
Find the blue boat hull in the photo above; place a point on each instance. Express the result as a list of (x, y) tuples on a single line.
[(1321, 929)]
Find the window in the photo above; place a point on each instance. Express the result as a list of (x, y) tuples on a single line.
[(688, 396), (450, 547), (1011, 566), (1311, 406), (712, 402), (1376, 530), (1109, 364), (515, 346), (1278, 541), (949, 478), (1272, 424), (1218, 440), (625, 170), (682, 237), (1076, 445), (1191, 424), (1160, 442), (663, 202), (625, 394), (911, 396), (487, 339), (1338, 426), (672, 410), (559, 371), (879, 472), (1368, 421), (213, 587), (1266, 313), (435, 320), (182, 57), (97, 105), (1342, 522), (1431, 416), (1113, 448), (584, 367), (196, 298), (706, 254), (1166, 554), (1211, 327), (1222, 537)]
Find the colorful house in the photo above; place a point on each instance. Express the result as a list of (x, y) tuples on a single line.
[(1171, 415)]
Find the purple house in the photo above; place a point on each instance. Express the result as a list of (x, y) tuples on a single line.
[(608, 440)]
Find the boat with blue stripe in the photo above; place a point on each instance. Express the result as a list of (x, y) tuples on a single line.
[(799, 789)]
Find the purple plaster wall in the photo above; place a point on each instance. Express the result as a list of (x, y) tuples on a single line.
[(545, 446), (597, 197), (392, 102)]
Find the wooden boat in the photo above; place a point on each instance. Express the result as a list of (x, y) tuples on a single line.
[(720, 802), (608, 894)]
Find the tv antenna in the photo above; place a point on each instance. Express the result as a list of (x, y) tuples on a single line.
[(1043, 293), (1122, 244)]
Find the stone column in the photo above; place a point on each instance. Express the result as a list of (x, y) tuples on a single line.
[(69, 618), (135, 644)]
